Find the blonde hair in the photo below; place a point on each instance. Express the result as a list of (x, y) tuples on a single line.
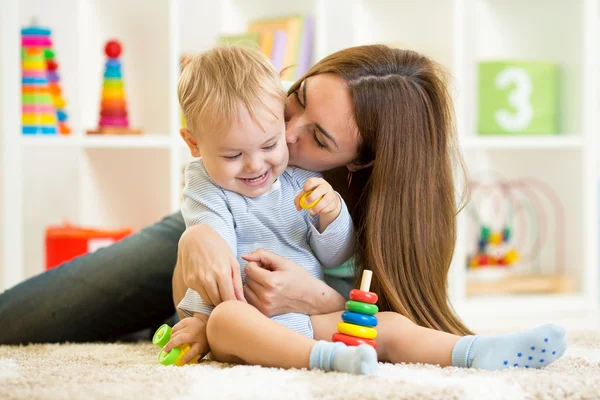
[(215, 83)]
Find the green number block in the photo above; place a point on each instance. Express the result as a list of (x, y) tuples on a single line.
[(518, 98)]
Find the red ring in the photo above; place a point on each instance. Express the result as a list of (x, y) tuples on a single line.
[(364, 297), (352, 340)]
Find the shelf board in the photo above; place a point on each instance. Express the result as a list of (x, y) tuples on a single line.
[(133, 141), (50, 141), (523, 142)]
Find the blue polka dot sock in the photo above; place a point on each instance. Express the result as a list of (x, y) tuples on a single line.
[(328, 356), (535, 348)]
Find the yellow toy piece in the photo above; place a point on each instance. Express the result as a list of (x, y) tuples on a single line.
[(303, 201), (356, 330)]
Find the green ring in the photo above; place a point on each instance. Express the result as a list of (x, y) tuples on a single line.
[(361, 308), (169, 358), (162, 336)]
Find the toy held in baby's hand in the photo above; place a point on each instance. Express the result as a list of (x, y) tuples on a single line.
[(303, 201), (173, 357), (359, 322)]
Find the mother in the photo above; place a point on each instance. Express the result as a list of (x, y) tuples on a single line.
[(380, 121)]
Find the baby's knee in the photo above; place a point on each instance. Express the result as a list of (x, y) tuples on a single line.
[(222, 316)]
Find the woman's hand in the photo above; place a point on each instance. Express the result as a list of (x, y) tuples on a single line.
[(208, 265), (276, 285)]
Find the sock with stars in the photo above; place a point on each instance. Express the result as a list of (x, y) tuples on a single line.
[(535, 348), (328, 356)]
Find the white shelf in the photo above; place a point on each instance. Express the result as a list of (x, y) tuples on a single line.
[(50, 141), (134, 141), (523, 142)]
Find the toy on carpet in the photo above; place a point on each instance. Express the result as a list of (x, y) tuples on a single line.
[(359, 322), (161, 338), (113, 107)]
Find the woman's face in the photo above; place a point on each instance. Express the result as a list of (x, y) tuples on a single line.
[(320, 129)]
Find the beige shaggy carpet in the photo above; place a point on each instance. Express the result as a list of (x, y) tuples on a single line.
[(128, 371)]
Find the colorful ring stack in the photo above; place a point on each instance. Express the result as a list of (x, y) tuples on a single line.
[(38, 112), (113, 111), (359, 321), (56, 92)]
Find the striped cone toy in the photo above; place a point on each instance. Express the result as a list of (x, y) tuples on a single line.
[(38, 111), (113, 108), (56, 92), (359, 321)]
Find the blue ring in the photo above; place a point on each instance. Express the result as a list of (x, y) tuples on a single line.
[(359, 319)]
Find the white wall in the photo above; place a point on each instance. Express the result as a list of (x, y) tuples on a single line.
[(2, 136)]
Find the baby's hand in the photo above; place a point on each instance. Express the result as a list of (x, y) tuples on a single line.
[(326, 201), (193, 332)]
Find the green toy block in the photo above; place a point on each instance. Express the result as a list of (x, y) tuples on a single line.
[(518, 98)]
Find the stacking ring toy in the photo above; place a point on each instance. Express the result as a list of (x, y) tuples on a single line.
[(311, 205), (359, 319), (358, 326), (361, 308), (365, 297), (351, 340), (362, 332)]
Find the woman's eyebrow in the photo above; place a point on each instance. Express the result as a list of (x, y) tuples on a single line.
[(319, 127)]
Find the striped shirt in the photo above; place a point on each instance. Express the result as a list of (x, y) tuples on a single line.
[(270, 221)]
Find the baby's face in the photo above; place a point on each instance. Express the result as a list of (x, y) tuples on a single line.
[(246, 159)]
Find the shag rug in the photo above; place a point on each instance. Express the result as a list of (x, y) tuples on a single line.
[(130, 371)]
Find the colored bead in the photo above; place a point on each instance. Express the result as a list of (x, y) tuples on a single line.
[(474, 262), (361, 308), (359, 319), (496, 238), (483, 259), (511, 257), (506, 234), (112, 49), (365, 297), (351, 340), (485, 233), (356, 330), (482, 246)]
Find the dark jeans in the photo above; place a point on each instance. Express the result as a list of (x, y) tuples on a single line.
[(116, 291)]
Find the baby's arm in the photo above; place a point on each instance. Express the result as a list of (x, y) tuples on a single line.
[(205, 203), (332, 242)]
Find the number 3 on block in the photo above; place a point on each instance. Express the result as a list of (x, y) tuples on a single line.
[(519, 98)]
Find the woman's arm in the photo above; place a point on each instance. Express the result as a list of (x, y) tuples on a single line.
[(276, 285)]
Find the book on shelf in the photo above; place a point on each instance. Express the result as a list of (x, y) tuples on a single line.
[(288, 41)]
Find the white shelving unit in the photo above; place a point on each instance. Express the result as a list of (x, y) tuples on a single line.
[(96, 180)]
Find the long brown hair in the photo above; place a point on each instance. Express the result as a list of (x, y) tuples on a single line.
[(404, 207)]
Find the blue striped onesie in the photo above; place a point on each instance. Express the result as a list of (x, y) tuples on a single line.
[(270, 221)]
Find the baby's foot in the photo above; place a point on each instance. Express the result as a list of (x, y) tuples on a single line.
[(361, 360), (535, 348)]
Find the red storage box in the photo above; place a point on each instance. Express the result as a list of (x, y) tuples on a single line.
[(63, 243)]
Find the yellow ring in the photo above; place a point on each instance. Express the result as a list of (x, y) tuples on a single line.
[(311, 205), (356, 330)]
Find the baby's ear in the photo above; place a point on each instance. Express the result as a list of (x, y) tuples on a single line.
[(191, 141)]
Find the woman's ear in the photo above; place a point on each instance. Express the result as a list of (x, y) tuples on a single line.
[(191, 141), (356, 166)]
